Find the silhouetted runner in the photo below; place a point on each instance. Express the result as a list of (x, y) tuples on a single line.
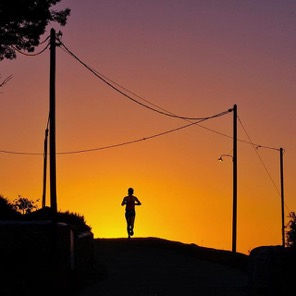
[(130, 202)]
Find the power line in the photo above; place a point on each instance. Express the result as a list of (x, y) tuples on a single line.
[(261, 160), (108, 82), (5, 80), (255, 146), (152, 104), (47, 38), (128, 142), (146, 138), (134, 94), (164, 111), (20, 153), (31, 54), (161, 108), (111, 83), (123, 143)]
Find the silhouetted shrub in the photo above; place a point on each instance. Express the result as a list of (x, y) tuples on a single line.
[(75, 220), (22, 209), (291, 233), (7, 212)]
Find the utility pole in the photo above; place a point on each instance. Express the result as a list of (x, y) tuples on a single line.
[(52, 130), (234, 211), (44, 168), (282, 194)]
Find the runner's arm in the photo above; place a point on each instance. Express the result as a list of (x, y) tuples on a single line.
[(137, 202)]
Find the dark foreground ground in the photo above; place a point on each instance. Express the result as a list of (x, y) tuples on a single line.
[(150, 266)]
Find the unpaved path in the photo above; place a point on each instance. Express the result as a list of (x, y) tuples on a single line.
[(143, 267)]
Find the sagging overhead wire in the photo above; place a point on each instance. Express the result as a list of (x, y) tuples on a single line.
[(147, 138), (20, 152), (124, 143), (33, 54), (130, 142), (109, 82), (152, 104), (163, 111), (123, 91), (256, 151), (5, 80), (256, 146)]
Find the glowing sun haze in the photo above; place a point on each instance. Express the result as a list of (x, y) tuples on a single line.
[(192, 58)]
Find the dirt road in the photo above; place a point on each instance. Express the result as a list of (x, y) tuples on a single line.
[(146, 267)]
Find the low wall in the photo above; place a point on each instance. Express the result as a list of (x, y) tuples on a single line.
[(39, 254), (272, 271)]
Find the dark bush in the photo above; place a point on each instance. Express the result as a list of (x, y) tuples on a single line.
[(291, 232), (7, 212), (75, 220)]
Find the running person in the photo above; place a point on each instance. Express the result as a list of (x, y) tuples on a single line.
[(130, 202)]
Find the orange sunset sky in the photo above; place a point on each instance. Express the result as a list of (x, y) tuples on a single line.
[(194, 58)]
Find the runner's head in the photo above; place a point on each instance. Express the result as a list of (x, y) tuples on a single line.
[(130, 191)]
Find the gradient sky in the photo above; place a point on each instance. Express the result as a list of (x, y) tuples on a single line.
[(193, 58)]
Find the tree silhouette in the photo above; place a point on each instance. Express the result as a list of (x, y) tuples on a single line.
[(7, 211), (22, 22), (24, 205), (291, 233)]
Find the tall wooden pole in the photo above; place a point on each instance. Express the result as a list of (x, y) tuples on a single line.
[(282, 194), (44, 169), (234, 210), (52, 130)]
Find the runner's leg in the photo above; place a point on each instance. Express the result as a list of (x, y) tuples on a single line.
[(132, 221), (127, 217)]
